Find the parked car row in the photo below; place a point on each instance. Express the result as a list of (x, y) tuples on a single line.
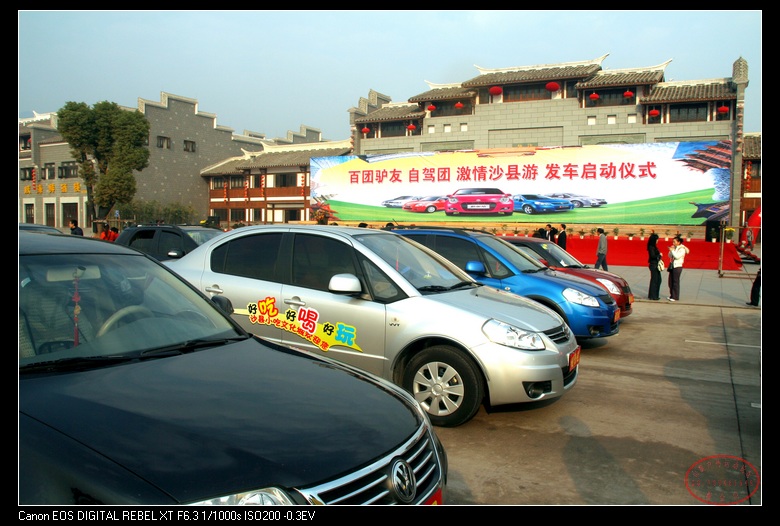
[(134, 388)]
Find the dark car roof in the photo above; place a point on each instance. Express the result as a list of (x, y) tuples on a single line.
[(35, 227), (32, 243)]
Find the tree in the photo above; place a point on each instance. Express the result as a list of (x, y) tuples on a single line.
[(109, 143)]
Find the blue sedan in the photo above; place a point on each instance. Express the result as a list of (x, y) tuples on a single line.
[(537, 204)]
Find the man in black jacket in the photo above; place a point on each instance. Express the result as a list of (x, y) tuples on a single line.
[(562, 237)]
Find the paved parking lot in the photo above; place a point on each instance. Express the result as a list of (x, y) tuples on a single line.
[(655, 410)]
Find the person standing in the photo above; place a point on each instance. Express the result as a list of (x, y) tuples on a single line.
[(601, 251), (548, 234), (107, 234), (749, 238), (562, 237), (75, 229), (755, 290), (653, 258), (677, 253)]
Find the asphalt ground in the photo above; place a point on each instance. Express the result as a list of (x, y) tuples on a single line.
[(659, 413)]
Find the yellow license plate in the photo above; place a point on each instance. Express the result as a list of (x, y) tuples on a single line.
[(574, 358), (617, 316)]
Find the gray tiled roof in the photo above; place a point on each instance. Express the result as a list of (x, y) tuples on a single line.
[(533, 75), (273, 160), (684, 92), (393, 113), (444, 94), (751, 149), (606, 79)]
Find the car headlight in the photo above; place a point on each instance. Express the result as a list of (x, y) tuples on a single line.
[(611, 287), (511, 336), (580, 298), (258, 497)]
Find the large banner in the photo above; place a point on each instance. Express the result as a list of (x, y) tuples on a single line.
[(661, 183)]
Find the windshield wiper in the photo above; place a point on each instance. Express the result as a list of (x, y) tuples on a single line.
[(461, 285), (189, 346), (79, 362), (534, 270)]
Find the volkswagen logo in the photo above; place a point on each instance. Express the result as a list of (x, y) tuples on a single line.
[(404, 483)]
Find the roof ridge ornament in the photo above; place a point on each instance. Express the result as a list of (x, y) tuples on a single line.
[(596, 61)]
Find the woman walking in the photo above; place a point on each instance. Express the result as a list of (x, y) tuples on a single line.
[(653, 258), (677, 253)]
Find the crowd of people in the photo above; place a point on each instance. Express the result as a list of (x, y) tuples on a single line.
[(107, 233)]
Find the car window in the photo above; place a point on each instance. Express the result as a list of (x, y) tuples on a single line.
[(168, 241), (201, 236), (143, 240), (318, 258), (252, 256)]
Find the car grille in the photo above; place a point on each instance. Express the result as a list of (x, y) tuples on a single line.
[(373, 484), (560, 334)]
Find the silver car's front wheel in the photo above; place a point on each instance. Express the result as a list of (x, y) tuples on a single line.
[(446, 384)]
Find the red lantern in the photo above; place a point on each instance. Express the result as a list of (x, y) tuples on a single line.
[(594, 96), (366, 129), (458, 105), (496, 90), (654, 113), (628, 94), (411, 127), (431, 107), (552, 86), (723, 109)]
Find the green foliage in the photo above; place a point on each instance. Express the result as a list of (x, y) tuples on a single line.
[(109, 143), (145, 212)]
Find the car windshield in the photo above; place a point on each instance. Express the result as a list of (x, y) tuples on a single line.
[(203, 235), (519, 260), (424, 269), (82, 307), (558, 257)]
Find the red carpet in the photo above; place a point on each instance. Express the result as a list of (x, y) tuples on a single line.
[(622, 252)]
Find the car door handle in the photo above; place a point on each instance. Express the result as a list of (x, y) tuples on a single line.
[(298, 302), (214, 289)]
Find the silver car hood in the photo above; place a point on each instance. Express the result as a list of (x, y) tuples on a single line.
[(489, 302)]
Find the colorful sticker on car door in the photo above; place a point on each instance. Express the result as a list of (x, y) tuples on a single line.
[(305, 323)]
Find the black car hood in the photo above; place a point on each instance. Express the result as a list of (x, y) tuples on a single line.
[(223, 420)]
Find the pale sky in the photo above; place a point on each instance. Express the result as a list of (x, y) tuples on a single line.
[(273, 71)]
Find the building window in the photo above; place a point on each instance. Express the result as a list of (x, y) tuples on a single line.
[(525, 92), (287, 180), (611, 119), (447, 128), (431, 129), (68, 170), (189, 146), (394, 129), (631, 118), (236, 181), (25, 174), (688, 112), (24, 142), (464, 127), (217, 183), (49, 171), (163, 142), (236, 215), (591, 120)]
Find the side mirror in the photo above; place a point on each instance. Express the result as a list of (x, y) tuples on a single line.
[(175, 253), (223, 304), (476, 267)]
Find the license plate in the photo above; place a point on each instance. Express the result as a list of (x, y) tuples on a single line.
[(477, 207), (574, 358), (617, 316)]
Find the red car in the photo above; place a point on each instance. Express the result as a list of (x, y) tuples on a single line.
[(430, 204), (553, 256), (479, 201)]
